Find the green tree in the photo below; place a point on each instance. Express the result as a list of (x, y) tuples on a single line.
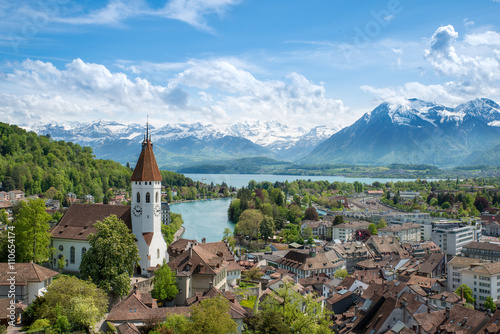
[(268, 322), (434, 201), (267, 227), (311, 214), (112, 256), (253, 273), (373, 229), (249, 223), (381, 224), (61, 263), (234, 211), (32, 232), (227, 233), (467, 293), (446, 205), (164, 283), (82, 302), (211, 316), (338, 220), (300, 314), (490, 304), (341, 273), (307, 232), (4, 217)]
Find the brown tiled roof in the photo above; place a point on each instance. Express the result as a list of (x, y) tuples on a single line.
[(197, 260), (487, 268), (430, 320), (367, 276), (483, 245), (353, 225), (219, 248), (301, 259), (127, 328), (139, 306), (431, 261), (25, 272), (463, 319), (464, 261), (424, 282), (148, 237), (181, 244), (146, 168), (78, 222), (4, 308), (233, 265), (382, 314), (448, 296), (493, 326)]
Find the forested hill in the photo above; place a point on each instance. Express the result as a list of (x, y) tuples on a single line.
[(34, 164)]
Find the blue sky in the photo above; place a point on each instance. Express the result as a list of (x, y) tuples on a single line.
[(302, 63)]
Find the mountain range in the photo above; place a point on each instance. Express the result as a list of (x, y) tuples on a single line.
[(185, 145), (415, 132)]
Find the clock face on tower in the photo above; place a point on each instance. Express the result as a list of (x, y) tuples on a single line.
[(137, 210), (157, 210)]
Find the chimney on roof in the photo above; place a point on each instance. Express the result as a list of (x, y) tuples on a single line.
[(447, 313), (191, 251), (204, 240), (210, 284)]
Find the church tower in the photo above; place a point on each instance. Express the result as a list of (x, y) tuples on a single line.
[(146, 209)]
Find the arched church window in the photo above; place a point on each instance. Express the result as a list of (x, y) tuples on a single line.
[(138, 197), (84, 250), (72, 254), (158, 253), (148, 197), (157, 196)]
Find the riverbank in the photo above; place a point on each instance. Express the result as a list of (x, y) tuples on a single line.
[(204, 218)]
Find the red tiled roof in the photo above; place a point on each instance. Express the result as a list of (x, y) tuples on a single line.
[(78, 222), (25, 272), (146, 168), (148, 236)]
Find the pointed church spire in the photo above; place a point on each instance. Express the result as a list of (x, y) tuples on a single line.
[(146, 168)]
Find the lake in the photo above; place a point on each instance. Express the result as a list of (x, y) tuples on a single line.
[(240, 180), (204, 218)]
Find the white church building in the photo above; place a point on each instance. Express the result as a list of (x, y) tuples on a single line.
[(143, 218)]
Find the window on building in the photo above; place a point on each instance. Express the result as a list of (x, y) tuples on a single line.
[(138, 197), (157, 197), (84, 250), (158, 253), (72, 254), (148, 197)]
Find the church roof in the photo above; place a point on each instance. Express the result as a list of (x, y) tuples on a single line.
[(146, 168), (78, 222)]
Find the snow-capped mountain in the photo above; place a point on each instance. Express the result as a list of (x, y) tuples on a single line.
[(287, 142), (414, 133), (181, 144)]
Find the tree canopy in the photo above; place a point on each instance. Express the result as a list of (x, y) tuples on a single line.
[(467, 293), (164, 283), (112, 256), (293, 313), (31, 225), (211, 316), (81, 302)]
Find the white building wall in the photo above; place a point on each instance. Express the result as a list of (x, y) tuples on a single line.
[(65, 245), (146, 218)]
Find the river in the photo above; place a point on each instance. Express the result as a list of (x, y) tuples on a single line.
[(209, 218), (240, 180), (204, 218)]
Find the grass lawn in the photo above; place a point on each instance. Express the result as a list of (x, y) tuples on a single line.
[(247, 285), (250, 302)]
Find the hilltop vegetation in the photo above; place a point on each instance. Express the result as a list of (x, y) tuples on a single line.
[(34, 164)]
